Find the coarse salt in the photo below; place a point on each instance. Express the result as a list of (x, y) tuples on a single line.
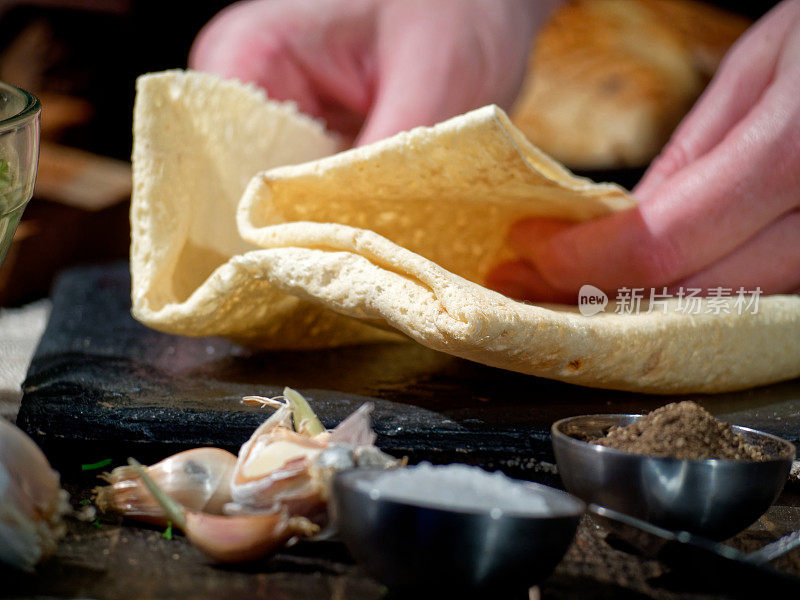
[(458, 487)]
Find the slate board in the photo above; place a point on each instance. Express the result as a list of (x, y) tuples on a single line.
[(100, 378)]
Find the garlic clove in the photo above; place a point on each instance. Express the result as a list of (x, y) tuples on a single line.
[(298, 491), (244, 538), (269, 452), (230, 538), (281, 421), (273, 471), (32, 503), (200, 479)]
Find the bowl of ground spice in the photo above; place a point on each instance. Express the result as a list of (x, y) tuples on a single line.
[(677, 467)]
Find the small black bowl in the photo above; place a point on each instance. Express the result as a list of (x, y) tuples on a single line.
[(414, 547)]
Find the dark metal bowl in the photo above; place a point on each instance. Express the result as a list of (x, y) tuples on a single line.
[(411, 547), (713, 498)]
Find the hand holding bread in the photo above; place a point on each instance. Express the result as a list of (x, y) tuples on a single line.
[(719, 207)]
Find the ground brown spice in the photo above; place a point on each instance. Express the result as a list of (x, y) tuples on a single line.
[(681, 430)]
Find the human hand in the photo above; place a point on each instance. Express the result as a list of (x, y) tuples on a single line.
[(719, 207), (371, 68)]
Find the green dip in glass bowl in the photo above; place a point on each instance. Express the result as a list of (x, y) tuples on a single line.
[(19, 156)]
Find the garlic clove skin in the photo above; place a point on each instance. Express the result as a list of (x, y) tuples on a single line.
[(370, 457), (356, 429), (299, 493), (200, 479), (32, 503)]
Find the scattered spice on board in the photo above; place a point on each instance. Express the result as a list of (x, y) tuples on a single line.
[(681, 430)]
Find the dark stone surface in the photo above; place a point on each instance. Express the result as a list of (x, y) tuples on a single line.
[(111, 558), (100, 377)]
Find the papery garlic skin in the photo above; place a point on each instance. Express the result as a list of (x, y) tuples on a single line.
[(200, 479), (32, 502), (356, 430), (280, 483)]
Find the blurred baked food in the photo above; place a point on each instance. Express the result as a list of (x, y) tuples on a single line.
[(706, 30), (608, 80)]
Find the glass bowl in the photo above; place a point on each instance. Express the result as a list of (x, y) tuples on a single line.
[(19, 157)]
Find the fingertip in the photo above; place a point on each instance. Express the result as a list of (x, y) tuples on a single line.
[(520, 281), (528, 237), (368, 136), (383, 122)]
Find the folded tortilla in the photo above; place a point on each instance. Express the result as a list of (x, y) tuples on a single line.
[(394, 237)]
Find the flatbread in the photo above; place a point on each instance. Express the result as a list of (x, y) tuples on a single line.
[(448, 192), (198, 140), (395, 237)]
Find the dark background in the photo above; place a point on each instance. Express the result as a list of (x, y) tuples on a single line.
[(95, 50)]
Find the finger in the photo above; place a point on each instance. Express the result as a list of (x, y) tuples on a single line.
[(531, 237), (770, 260), (440, 59), (563, 257), (517, 279), (341, 74), (242, 43), (742, 78), (315, 53), (702, 214), (208, 43), (419, 81), (337, 53)]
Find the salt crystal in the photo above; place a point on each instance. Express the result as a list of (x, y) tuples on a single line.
[(458, 487)]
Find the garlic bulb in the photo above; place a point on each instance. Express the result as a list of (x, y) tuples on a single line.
[(281, 467), (199, 479), (32, 502)]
